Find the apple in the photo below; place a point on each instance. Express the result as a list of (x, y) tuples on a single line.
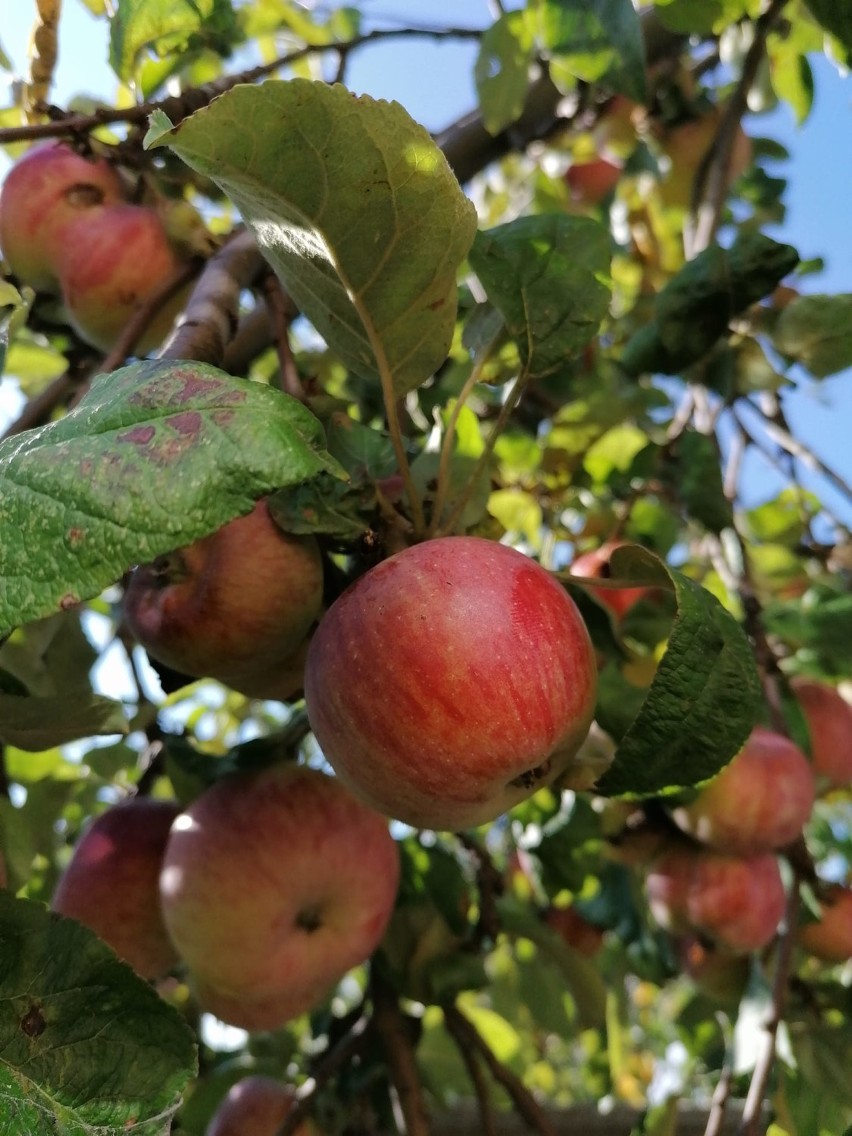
[(111, 262), (574, 929), (111, 883), (592, 181), (686, 145), (717, 973), (48, 189), (829, 719), (759, 802), (235, 606), (830, 939), (450, 682), (595, 565), (735, 901), (256, 1106), (273, 886)]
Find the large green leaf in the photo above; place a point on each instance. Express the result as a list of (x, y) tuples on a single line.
[(354, 206), (38, 723), (166, 26), (704, 699), (835, 17), (548, 277), (597, 40), (86, 1047), (156, 455), (816, 331)]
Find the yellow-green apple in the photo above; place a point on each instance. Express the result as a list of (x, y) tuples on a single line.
[(256, 1106), (450, 682), (574, 929), (235, 606), (592, 181), (759, 802), (273, 886), (112, 261), (111, 882), (830, 938), (595, 565), (735, 901), (829, 720), (48, 189)]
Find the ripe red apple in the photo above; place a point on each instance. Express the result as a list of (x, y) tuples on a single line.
[(830, 939), (111, 882), (256, 1106), (575, 930), (273, 886), (735, 901), (590, 182), (49, 188), (235, 606), (595, 565), (450, 682), (758, 802), (829, 720), (111, 262)]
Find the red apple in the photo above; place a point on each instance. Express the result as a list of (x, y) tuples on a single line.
[(735, 901), (575, 930), (111, 882), (758, 802), (49, 188), (111, 262), (590, 182), (450, 682), (273, 886), (235, 606), (595, 565), (829, 720), (256, 1106), (830, 939)]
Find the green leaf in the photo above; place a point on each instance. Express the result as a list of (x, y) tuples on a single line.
[(818, 626), (548, 276), (88, 1048), (816, 331), (354, 206), (167, 27), (835, 17), (695, 475), (703, 701), (35, 724), (156, 455), (597, 40), (502, 70)]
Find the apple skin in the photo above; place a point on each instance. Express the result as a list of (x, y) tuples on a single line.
[(273, 886), (596, 564), (592, 181), (256, 1106), (575, 930), (829, 719), (48, 189), (111, 883), (735, 901), (830, 939), (759, 802), (112, 260), (450, 682), (235, 606)]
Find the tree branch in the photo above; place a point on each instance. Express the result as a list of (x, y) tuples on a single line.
[(393, 1030)]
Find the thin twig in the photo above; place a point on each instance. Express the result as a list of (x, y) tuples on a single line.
[(473, 1065), (282, 312), (393, 1030), (783, 438), (327, 1067)]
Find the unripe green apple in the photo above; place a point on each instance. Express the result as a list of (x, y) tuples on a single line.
[(830, 938), (450, 682), (735, 901), (111, 262), (235, 606), (111, 882), (759, 802), (829, 720), (273, 886), (47, 190), (256, 1106)]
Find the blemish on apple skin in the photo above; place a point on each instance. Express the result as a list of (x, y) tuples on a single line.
[(531, 777), (138, 436), (68, 601)]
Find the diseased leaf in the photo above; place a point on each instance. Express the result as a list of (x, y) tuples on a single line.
[(597, 40), (502, 70), (703, 701), (156, 455), (548, 276), (87, 1048), (354, 206)]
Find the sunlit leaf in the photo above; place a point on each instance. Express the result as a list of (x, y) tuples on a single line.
[(167, 26), (816, 331), (502, 70), (597, 40)]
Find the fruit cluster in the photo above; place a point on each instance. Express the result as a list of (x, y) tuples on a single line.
[(68, 228)]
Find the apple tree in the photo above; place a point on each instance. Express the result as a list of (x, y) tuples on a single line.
[(411, 720)]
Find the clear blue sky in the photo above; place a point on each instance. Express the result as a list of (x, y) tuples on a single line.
[(434, 82)]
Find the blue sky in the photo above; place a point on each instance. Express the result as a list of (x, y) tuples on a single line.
[(434, 83)]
